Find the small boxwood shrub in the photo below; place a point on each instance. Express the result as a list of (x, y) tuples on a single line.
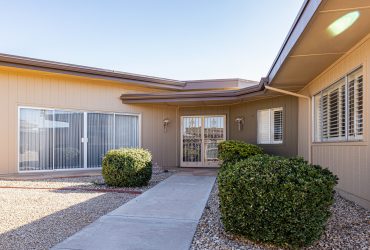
[(233, 151), (127, 167), (276, 200)]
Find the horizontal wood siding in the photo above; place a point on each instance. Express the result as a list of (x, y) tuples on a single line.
[(32, 88), (349, 160), (249, 110)]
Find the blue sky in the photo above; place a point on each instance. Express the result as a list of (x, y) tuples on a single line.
[(178, 39)]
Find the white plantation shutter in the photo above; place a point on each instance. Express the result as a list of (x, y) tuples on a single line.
[(264, 131), (318, 117), (270, 126), (333, 112), (277, 126), (338, 110), (359, 107), (355, 105), (342, 111), (324, 116)]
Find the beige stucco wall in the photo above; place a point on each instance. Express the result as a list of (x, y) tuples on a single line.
[(248, 110), (37, 89), (349, 160)]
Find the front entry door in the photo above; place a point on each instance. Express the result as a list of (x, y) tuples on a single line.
[(200, 136)]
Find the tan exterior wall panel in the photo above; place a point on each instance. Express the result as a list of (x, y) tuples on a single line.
[(249, 110), (304, 127), (25, 88), (348, 160)]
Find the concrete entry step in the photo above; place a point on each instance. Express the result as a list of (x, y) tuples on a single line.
[(164, 217)]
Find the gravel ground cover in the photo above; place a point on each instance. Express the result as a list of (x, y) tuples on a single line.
[(92, 182), (348, 228), (41, 218)]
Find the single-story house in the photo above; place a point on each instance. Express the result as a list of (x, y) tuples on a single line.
[(313, 103)]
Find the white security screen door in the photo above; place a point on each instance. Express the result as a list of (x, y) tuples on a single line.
[(200, 136)]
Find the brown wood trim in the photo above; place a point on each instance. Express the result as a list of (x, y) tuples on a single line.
[(192, 96)]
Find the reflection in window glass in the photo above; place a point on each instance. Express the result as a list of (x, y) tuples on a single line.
[(100, 133), (35, 139), (126, 131), (68, 129)]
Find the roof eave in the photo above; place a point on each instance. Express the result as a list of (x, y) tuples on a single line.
[(307, 11), (192, 96), (78, 70)]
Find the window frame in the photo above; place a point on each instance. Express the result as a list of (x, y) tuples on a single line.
[(271, 125), (85, 112), (317, 135)]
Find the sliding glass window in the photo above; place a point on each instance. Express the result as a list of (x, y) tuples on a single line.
[(68, 146), (35, 139), (101, 134), (58, 139), (126, 131)]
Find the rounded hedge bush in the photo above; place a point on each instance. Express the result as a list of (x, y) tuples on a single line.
[(276, 200), (127, 167), (233, 151)]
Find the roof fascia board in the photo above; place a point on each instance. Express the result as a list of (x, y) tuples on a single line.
[(193, 96), (190, 99), (56, 67), (94, 76), (193, 93), (304, 16)]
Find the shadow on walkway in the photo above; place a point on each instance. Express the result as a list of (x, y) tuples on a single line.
[(54, 228)]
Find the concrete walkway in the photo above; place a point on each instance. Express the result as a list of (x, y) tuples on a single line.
[(164, 217)]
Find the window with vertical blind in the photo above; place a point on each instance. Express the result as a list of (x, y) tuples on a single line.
[(270, 126), (52, 139), (338, 110)]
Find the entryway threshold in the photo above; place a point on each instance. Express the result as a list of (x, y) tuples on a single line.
[(164, 217)]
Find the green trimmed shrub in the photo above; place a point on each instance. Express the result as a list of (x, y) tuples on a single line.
[(127, 167), (233, 151), (276, 200)]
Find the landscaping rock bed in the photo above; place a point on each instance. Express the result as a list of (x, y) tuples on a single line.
[(92, 182), (348, 228), (41, 218)]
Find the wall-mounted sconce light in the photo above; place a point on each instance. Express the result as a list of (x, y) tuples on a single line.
[(240, 122), (166, 122)]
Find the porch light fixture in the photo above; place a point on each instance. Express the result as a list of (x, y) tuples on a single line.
[(240, 122), (342, 23), (166, 122)]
